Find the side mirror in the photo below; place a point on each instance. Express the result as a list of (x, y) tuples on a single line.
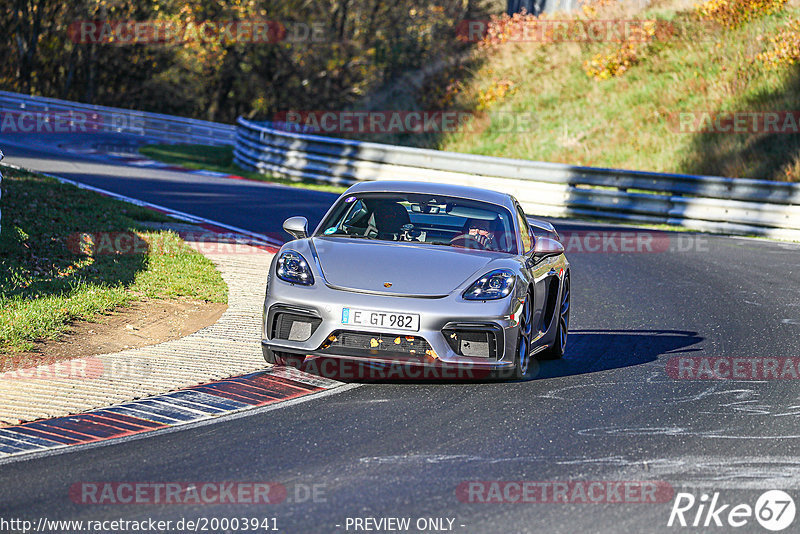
[(546, 247), (297, 227)]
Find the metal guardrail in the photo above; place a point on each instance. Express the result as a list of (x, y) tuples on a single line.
[(705, 203), (43, 115)]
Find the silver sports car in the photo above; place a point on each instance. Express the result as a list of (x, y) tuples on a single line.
[(426, 274)]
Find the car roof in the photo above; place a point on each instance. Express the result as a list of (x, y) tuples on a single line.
[(461, 191)]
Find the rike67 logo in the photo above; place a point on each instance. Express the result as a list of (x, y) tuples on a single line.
[(774, 510)]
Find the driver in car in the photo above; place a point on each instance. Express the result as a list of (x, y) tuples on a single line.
[(479, 230)]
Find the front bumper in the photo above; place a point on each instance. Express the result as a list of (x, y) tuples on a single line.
[(445, 325)]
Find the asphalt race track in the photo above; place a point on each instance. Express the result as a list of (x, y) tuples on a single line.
[(609, 411)]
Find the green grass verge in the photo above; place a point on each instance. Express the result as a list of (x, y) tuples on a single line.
[(220, 159), (45, 284)]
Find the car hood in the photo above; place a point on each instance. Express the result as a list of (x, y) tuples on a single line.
[(412, 270)]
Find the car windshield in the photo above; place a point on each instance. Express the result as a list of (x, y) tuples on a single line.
[(422, 218)]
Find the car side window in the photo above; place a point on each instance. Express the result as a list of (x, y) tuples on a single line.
[(524, 232), (357, 215)]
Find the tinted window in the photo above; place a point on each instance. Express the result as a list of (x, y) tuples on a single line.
[(430, 219), (524, 232)]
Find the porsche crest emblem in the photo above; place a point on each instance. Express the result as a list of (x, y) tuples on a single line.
[(387, 284)]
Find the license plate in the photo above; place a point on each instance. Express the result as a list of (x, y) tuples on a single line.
[(379, 319)]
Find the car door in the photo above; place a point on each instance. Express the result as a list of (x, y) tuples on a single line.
[(542, 272)]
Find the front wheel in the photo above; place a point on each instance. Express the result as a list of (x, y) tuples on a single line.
[(560, 344), (282, 358), (524, 332)]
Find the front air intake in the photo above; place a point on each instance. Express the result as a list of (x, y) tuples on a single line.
[(293, 326), (472, 341)]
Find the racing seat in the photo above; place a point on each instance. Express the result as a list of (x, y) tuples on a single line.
[(389, 218)]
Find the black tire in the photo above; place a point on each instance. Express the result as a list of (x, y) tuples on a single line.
[(522, 357), (560, 344), (282, 358)]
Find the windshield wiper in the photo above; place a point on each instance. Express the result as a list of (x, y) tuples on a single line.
[(343, 234)]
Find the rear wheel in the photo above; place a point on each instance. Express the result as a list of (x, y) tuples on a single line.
[(560, 344), (525, 329)]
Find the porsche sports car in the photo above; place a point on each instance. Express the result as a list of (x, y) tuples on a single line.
[(422, 273)]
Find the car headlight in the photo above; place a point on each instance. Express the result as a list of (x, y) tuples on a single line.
[(493, 285), (293, 268)]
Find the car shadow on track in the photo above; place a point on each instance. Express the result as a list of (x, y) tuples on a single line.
[(590, 351)]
